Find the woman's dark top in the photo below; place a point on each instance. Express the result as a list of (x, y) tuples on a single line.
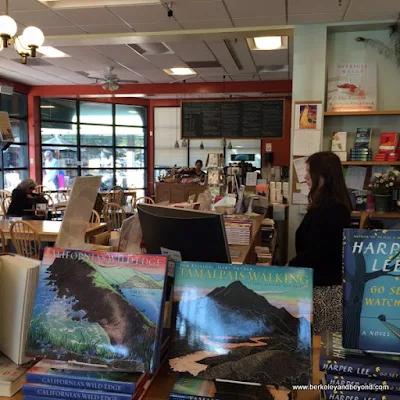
[(20, 202), (319, 242)]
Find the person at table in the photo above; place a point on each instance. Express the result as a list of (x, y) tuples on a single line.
[(320, 235), (24, 199), (198, 168)]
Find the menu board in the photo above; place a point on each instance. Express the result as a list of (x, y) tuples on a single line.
[(232, 119)]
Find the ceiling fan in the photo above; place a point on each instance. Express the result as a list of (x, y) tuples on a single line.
[(110, 81)]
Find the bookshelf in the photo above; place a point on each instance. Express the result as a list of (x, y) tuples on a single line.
[(371, 163), (359, 113), (386, 215)]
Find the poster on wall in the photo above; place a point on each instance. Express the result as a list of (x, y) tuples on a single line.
[(352, 87)]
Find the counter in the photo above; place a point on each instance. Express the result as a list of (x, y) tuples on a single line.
[(177, 192)]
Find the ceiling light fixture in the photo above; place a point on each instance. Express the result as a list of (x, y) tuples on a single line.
[(26, 44), (51, 52), (112, 86), (47, 106), (180, 71), (268, 42)]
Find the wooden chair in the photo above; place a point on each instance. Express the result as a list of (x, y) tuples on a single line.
[(4, 244), (114, 215), (95, 217), (144, 199), (26, 239), (49, 199), (115, 195), (41, 189), (364, 220), (5, 203)]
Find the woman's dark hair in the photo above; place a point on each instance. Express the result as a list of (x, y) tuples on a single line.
[(199, 161), (327, 165)]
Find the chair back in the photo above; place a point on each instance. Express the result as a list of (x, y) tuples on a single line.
[(94, 217), (41, 189), (50, 201), (114, 215), (364, 220), (26, 239), (5, 203), (144, 199), (4, 246), (115, 195)]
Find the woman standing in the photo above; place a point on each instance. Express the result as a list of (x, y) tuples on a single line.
[(320, 235)]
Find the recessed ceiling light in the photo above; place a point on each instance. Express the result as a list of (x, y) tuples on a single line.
[(180, 71), (130, 95), (47, 106), (51, 52), (268, 42)]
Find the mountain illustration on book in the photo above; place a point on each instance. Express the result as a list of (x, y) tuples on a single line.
[(234, 332), (98, 308), (371, 267)]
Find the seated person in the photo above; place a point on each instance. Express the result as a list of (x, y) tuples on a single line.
[(23, 199), (198, 168)]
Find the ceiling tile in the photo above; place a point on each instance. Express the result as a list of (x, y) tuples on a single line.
[(245, 77), (65, 74), (273, 57), (69, 63), (221, 52), (90, 16), (218, 78), (155, 75), (299, 19), (89, 56), (367, 5), (208, 24), (18, 77), (164, 61), (255, 8), (25, 5), (191, 51), (201, 10), (316, 7), (259, 21), (41, 18), (62, 30), (141, 13), (374, 15), (242, 51), (210, 71), (156, 26), (196, 79), (275, 76), (125, 55), (107, 28)]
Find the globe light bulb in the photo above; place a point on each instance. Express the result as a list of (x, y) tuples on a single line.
[(34, 38), (8, 27), (22, 48)]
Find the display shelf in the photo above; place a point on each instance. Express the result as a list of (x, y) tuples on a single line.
[(383, 163), (374, 214), (359, 113)]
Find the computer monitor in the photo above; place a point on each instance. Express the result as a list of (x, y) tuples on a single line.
[(197, 235)]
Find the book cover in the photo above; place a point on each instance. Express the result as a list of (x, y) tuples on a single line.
[(363, 138), (387, 142), (59, 373), (99, 308), (355, 395), (242, 322), (373, 385), (44, 391), (339, 141), (371, 275), (334, 359), (352, 87)]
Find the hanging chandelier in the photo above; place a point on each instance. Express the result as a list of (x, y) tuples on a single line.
[(26, 44)]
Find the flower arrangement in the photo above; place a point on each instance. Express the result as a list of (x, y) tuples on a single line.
[(382, 184)]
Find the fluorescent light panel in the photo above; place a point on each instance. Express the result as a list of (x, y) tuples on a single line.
[(51, 52), (180, 71), (47, 106), (268, 43), (63, 4)]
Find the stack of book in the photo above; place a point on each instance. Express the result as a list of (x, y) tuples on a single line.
[(12, 377), (238, 229), (362, 150), (355, 373)]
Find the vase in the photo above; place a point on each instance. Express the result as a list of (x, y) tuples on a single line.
[(382, 202)]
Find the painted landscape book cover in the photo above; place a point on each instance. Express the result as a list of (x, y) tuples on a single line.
[(242, 322), (334, 359), (60, 373), (371, 274), (99, 308)]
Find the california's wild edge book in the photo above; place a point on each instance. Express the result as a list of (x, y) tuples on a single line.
[(242, 322), (371, 263), (99, 308)]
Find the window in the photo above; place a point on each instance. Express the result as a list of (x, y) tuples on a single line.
[(86, 138), (14, 160)]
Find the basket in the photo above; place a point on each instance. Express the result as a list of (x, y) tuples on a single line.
[(172, 180)]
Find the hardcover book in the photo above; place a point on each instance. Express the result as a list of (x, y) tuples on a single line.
[(242, 322), (336, 360), (363, 138), (355, 395), (388, 142), (59, 373), (99, 308), (371, 264)]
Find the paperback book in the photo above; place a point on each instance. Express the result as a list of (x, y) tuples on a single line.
[(355, 395), (12, 377), (99, 308), (242, 322), (371, 273), (59, 373), (336, 360)]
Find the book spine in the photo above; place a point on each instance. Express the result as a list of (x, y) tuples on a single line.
[(355, 395), (45, 391), (178, 396), (81, 383)]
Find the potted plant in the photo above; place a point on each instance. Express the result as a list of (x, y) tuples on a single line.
[(382, 186)]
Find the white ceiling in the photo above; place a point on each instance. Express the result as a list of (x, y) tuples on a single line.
[(230, 56)]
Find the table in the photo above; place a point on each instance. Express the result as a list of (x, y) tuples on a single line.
[(49, 230), (164, 381)]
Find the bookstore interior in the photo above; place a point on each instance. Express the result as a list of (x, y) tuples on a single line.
[(200, 200)]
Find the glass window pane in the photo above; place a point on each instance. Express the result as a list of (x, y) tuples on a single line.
[(59, 178), (107, 179), (130, 158), (95, 113), (15, 157), (96, 135), (58, 110), (65, 157), (19, 130), (97, 157), (16, 105), (54, 134), (130, 115), (245, 149), (210, 146), (130, 178), (13, 178), (130, 137)]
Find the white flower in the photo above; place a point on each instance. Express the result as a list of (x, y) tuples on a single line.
[(391, 184), (378, 175), (387, 185)]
